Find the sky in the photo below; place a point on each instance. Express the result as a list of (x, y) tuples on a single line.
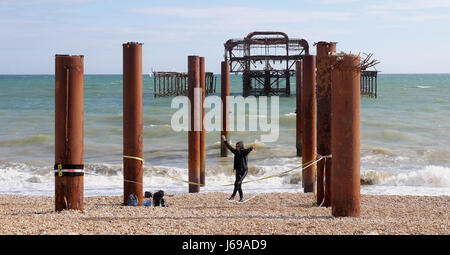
[(405, 36)]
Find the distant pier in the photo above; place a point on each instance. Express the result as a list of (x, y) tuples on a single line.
[(168, 84), (369, 83)]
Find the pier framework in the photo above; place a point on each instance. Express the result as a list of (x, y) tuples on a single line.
[(369, 83), (266, 61), (167, 84)]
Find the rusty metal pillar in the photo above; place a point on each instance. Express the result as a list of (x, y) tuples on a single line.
[(345, 140), (288, 83), (69, 132), (202, 134), (298, 118), (225, 89), (194, 132), (308, 112), (324, 50), (132, 121)]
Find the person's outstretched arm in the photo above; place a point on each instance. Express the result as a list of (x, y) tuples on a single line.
[(233, 150), (247, 151)]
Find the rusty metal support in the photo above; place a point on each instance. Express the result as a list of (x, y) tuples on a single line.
[(202, 134), (298, 118), (193, 133), (345, 140), (308, 112), (69, 132), (324, 50), (225, 89), (132, 121)]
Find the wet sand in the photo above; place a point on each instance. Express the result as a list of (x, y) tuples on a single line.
[(212, 214)]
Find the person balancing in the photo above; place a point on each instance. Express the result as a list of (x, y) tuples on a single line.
[(240, 165)]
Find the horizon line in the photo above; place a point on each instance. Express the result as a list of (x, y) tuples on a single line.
[(214, 73)]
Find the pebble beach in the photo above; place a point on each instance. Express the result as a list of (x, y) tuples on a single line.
[(211, 214)]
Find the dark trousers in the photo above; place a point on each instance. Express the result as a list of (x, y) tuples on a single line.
[(238, 183)]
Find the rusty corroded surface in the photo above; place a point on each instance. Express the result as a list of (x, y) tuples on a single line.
[(298, 101), (202, 134), (266, 60), (69, 135), (225, 92), (193, 134), (345, 140), (132, 121), (308, 113), (324, 61)]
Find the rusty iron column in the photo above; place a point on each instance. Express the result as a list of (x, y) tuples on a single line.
[(298, 118), (202, 134), (132, 121), (225, 89), (324, 50), (308, 112), (69, 132), (345, 139), (193, 133)]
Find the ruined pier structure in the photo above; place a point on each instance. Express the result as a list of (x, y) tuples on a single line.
[(267, 61), (167, 84), (328, 88), (338, 85), (369, 83)]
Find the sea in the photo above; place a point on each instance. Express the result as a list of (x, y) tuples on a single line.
[(405, 139)]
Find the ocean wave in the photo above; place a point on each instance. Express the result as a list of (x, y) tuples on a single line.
[(31, 140), (103, 169), (27, 178), (423, 87), (430, 176), (291, 114), (375, 177), (391, 135), (158, 131), (381, 151)]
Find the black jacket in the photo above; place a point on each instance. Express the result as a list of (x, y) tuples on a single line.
[(240, 157)]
